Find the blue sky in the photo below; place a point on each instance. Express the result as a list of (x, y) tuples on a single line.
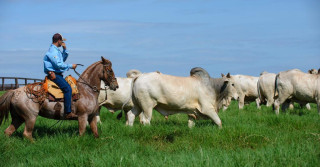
[(171, 36)]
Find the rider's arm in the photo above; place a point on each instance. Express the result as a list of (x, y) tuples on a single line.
[(65, 54), (58, 62)]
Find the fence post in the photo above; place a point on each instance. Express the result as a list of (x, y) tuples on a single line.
[(2, 84), (16, 83), (25, 81)]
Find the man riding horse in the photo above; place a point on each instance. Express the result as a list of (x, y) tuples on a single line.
[(54, 66)]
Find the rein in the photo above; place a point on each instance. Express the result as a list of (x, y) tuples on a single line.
[(94, 88)]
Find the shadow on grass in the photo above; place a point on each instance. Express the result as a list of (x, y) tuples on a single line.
[(41, 131)]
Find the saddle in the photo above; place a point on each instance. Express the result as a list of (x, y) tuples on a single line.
[(55, 94)]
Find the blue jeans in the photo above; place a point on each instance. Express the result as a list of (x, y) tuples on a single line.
[(67, 91)]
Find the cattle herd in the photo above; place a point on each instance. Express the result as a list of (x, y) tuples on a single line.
[(201, 97)]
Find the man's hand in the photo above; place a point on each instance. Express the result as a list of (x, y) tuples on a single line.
[(51, 75), (64, 45), (74, 66)]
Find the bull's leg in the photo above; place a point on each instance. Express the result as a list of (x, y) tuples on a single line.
[(142, 118), (224, 108), (318, 105), (15, 124), (277, 106), (279, 101), (147, 116), (82, 121), (269, 102), (241, 102), (147, 106), (93, 126), (191, 121), (287, 105), (212, 114), (28, 129), (308, 106), (131, 115), (258, 103), (119, 116)]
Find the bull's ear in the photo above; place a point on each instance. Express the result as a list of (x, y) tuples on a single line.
[(228, 75), (309, 71), (222, 75), (319, 71)]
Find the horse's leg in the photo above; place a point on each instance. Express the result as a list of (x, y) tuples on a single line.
[(93, 125), (29, 125), (97, 115), (82, 120), (15, 124)]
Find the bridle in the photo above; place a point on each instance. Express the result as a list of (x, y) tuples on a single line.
[(94, 88)]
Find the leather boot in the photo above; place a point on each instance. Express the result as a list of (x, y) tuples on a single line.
[(71, 116)]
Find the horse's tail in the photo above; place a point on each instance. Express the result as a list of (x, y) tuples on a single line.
[(5, 102)]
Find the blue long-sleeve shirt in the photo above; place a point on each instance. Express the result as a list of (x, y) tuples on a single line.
[(54, 60)]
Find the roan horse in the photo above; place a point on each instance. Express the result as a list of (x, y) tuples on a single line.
[(23, 109)]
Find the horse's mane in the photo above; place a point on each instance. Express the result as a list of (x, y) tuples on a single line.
[(91, 66)]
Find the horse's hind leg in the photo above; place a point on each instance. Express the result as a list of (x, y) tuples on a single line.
[(15, 124), (29, 125), (93, 126)]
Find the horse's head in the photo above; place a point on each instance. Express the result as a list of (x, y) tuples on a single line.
[(107, 74)]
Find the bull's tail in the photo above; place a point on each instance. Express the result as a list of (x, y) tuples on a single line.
[(259, 93), (276, 87), (5, 102), (130, 97)]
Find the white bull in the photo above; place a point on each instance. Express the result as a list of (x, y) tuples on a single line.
[(297, 86), (194, 95), (266, 88), (246, 87), (121, 98)]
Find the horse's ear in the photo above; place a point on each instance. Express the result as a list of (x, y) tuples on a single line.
[(222, 75), (228, 75), (104, 61)]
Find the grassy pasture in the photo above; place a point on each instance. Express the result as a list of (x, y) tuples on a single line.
[(249, 137)]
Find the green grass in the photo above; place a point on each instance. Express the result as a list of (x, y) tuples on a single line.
[(249, 137)]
